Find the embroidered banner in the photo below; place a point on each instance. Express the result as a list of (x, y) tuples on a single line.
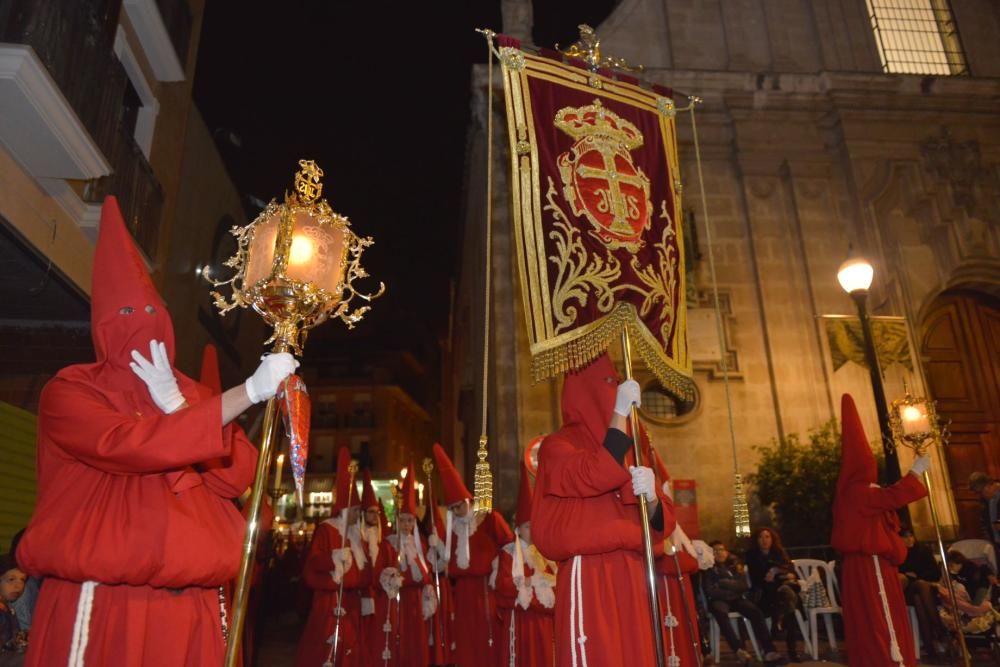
[(597, 221)]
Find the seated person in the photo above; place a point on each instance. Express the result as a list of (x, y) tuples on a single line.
[(726, 587), (972, 595), (774, 585), (973, 576), (919, 575), (12, 638)]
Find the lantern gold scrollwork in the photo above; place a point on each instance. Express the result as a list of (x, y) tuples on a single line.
[(296, 264), (915, 424)]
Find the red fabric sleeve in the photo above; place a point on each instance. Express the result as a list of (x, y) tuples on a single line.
[(905, 491), (83, 425), (571, 472), (386, 558), (229, 477), (316, 571), (506, 591)]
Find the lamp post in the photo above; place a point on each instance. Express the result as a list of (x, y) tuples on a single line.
[(855, 276), (295, 264)]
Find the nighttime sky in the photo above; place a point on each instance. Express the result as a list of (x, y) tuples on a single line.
[(378, 94)]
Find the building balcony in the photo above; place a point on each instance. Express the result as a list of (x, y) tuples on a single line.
[(66, 113), (164, 30)]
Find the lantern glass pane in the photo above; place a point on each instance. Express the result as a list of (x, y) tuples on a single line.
[(317, 253), (261, 256)]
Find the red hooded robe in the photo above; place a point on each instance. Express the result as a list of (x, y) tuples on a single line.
[(676, 593), (476, 625), (586, 518), (325, 579), (866, 535), (526, 605), (132, 500), (409, 632), (443, 622)]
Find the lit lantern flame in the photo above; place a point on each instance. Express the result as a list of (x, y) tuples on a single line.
[(302, 250)]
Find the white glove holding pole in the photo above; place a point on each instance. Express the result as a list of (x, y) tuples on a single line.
[(628, 394), (921, 464), (643, 482), (264, 382), (158, 376)]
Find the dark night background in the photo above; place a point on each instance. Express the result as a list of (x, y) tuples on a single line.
[(378, 94)]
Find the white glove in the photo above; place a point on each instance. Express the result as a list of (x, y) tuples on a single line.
[(643, 482), (158, 376), (920, 465), (435, 542), (391, 581), (274, 368), (628, 393), (343, 557)]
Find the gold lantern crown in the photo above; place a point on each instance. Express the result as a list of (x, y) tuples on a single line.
[(296, 264)]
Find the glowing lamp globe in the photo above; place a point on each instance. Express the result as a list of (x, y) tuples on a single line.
[(296, 263), (855, 275)]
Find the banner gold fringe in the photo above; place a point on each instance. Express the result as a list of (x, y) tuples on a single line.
[(590, 342)]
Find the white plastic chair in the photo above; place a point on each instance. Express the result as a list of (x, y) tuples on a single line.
[(805, 567), (916, 629), (715, 634)]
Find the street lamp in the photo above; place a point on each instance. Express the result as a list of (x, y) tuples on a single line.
[(855, 276)]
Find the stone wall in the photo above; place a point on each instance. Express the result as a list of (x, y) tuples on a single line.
[(807, 147)]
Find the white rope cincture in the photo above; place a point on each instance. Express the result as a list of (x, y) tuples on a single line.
[(670, 621), (512, 640), (81, 626), (894, 651), (577, 636)]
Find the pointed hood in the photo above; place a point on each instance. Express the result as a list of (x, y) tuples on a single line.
[(368, 498), (857, 463), (347, 490), (588, 399), (408, 494), (210, 369), (455, 490), (125, 314), (121, 281), (524, 497)]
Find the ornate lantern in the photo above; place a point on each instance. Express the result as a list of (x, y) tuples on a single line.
[(295, 264)]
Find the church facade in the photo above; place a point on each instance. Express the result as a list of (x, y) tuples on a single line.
[(826, 128)]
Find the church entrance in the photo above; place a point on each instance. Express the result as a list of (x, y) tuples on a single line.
[(960, 349)]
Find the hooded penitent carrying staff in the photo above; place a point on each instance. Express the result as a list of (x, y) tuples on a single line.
[(428, 468), (387, 627), (352, 470), (685, 543)]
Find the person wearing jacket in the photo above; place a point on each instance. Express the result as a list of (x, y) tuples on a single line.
[(726, 587)]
